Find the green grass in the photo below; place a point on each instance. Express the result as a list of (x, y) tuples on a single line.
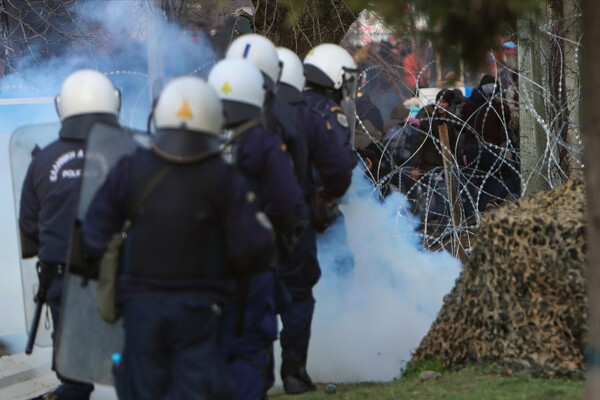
[(471, 383)]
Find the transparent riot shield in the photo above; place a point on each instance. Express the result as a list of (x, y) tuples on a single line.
[(348, 102), (86, 343), (24, 142)]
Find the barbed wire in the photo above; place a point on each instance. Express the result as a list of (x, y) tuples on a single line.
[(496, 171)]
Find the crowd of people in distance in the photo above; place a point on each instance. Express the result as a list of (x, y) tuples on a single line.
[(403, 150)]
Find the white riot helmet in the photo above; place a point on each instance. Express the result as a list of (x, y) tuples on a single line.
[(260, 51), (240, 86), (189, 103), (188, 117), (329, 65), (87, 92), (292, 70)]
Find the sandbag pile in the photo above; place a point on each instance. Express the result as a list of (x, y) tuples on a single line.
[(521, 299)]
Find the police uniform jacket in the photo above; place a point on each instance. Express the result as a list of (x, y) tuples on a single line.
[(51, 187), (262, 158), (326, 153), (335, 119), (200, 225)]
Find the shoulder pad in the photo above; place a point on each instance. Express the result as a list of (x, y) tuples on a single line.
[(342, 119)]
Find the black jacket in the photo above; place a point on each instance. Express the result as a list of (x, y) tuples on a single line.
[(51, 188)]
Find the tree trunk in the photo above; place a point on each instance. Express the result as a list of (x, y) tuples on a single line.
[(590, 121), (304, 24), (533, 139)]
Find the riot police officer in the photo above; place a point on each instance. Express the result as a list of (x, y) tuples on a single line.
[(51, 187), (330, 89), (251, 321), (324, 175), (197, 228), (278, 116), (261, 52)]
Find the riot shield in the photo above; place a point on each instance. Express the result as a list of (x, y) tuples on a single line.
[(348, 102), (24, 142), (86, 343)]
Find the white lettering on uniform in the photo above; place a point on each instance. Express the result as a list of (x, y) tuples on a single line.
[(61, 161), (71, 173)]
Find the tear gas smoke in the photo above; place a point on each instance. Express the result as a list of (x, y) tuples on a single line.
[(370, 316), (111, 36)]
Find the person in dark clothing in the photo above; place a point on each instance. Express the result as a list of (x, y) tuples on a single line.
[(428, 159), (330, 86), (368, 111), (492, 170), (457, 102), (198, 228), (51, 188), (400, 143), (251, 320), (238, 23), (431, 117), (333, 167), (279, 117)]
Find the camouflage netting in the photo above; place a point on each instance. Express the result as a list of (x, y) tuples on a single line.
[(521, 299)]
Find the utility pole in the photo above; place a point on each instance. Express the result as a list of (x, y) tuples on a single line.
[(154, 23), (572, 51), (590, 121), (533, 138)]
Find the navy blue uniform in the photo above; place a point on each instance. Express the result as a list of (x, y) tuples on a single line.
[(334, 117), (198, 228), (47, 212), (251, 321), (262, 158), (326, 153), (300, 274)]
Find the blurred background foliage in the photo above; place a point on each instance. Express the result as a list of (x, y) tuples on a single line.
[(473, 26)]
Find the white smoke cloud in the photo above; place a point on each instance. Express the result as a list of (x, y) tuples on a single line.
[(112, 38), (370, 317)]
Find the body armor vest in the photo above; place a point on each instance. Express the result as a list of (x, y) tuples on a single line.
[(176, 233)]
